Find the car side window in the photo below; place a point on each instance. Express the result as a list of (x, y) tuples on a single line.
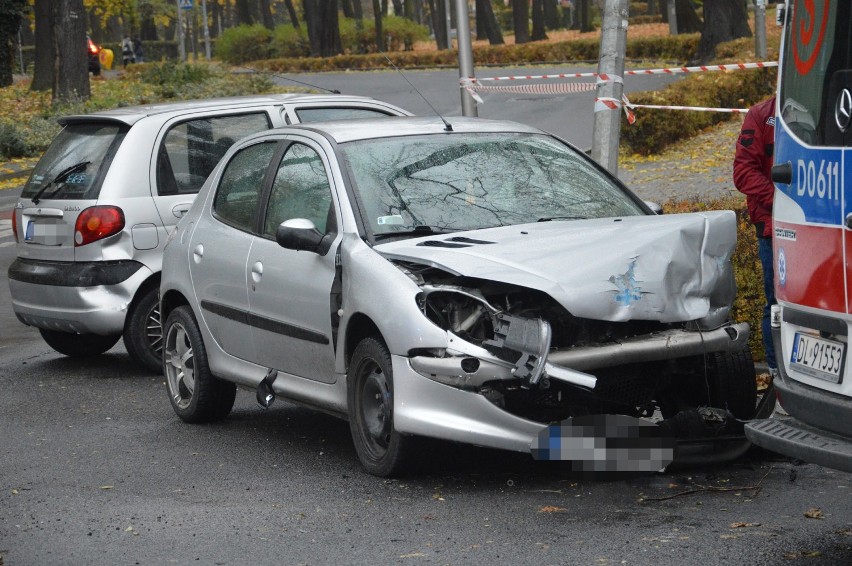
[(239, 188), (192, 149), (300, 190), (326, 114)]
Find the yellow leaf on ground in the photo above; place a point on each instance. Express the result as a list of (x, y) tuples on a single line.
[(815, 513), (551, 509)]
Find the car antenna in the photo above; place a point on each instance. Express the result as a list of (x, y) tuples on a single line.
[(447, 126), (331, 90)]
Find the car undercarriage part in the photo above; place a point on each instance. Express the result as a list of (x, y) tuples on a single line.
[(265, 395)]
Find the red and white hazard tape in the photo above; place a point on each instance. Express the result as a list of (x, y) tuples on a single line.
[(664, 71), (603, 103), (557, 88)]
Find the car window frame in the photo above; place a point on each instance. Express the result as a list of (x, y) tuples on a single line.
[(172, 124), (266, 182)]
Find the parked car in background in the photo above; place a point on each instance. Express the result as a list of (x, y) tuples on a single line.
[(93, 52), (478, 281), (93, 218)]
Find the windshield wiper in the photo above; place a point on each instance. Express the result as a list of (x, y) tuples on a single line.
[(421, 230), (549, 218), (61, 176)]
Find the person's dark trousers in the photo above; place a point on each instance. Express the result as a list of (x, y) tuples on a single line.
[(767, 261)]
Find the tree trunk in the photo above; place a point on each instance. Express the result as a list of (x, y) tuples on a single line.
[(377, 16), (11, 13), (724, 20), (397, 7), (584, 15), (44, 48), (291, 10), (485, 13), (552, 20), (538, 20), (243, 12), (439, 26), (687, 18), (311, 14), (266, 14), (71, 76), (346, 6), (520, 20), (652, 7), (329, 23), (147, 25)]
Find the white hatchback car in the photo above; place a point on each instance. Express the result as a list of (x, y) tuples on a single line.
[(93, 218), (478, 281)]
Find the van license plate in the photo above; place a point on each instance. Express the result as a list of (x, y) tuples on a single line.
[(818, 357)]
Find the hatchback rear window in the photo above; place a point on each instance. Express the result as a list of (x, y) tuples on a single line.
[(81, 149)]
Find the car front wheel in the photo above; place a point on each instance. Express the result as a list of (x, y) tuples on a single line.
[(196, 395), (77, 345), (382, 450)]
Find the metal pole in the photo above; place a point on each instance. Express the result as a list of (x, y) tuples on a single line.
[(449, 22), (21, 53), (760, 29), (468, 104), (181, 46), (607, 122), (206, 29), (672, 18)]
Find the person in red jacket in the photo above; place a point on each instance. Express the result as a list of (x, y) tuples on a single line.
[(752, 167)]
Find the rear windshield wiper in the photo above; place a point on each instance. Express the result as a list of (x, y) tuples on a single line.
[(417, 231), (64, 174)]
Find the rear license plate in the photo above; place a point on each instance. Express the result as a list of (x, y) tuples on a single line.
[(818, 357)]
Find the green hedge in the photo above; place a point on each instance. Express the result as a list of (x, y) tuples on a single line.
[(678, 48)]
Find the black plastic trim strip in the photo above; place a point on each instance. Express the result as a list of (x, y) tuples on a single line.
[(72, 274), (264, 323), (815, 321)]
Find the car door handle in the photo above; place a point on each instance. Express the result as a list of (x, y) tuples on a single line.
[(198, 253), (256, 271), (180, 210)]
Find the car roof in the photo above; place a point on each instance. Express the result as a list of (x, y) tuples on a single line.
[(132, 114), (343, 131)]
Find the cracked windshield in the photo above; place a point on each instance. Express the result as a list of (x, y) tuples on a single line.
[(444, 183)]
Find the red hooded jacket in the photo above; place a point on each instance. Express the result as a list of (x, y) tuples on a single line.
[(753, 164)]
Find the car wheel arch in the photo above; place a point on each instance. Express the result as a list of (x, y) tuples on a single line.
[(360, 326), (169, 301)]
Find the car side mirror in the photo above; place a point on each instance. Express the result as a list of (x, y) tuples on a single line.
[(299, 234)]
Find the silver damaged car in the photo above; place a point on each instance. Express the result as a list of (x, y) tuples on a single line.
[(475, 281)]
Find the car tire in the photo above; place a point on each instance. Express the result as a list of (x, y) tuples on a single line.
[(143, 331), (733, 386), (382, 450), (195, 394), (78, 345)]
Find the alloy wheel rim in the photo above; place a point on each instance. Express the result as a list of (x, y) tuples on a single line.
[(179, 366)]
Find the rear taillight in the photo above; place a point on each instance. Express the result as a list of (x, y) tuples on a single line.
[(97, 223), (15, 225)]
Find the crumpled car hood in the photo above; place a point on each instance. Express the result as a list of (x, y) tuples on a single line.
[(669, 268)]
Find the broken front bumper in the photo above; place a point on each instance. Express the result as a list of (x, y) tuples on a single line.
[(469, 366)]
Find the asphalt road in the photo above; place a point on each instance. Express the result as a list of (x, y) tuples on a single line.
[(96, 469)]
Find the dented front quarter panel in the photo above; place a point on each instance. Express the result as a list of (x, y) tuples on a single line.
[(673, 268), (374, 287)]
